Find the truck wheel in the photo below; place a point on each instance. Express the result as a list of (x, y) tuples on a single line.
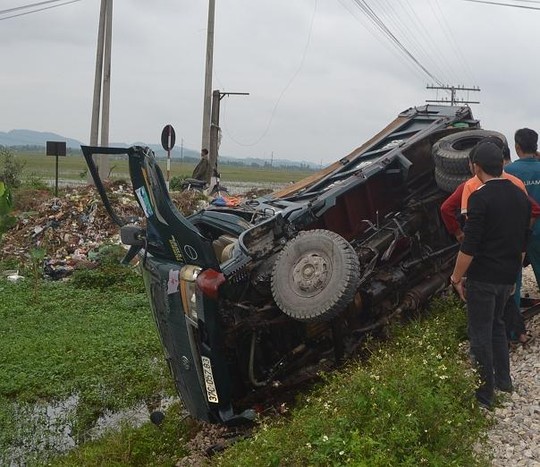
[(449, 182), (315, 276), (451, 153)]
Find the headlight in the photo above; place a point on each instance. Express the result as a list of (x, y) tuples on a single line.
[(188, 290)]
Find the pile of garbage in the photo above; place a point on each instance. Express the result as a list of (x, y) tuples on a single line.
[(66, 232)]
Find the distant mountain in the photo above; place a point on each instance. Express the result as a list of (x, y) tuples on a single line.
[(15, 138), (34, 138)]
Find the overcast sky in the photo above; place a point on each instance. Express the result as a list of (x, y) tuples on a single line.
[(321, 79)]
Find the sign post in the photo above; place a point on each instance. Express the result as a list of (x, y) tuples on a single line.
[(168, 138), (56, 148)]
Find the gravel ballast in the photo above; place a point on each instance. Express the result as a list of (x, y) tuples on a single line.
[(514, 439)]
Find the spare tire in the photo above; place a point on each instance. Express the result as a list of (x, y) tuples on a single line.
[(451, 153), (315, 276), (449, 182)]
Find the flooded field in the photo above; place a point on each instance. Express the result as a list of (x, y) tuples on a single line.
[(46, 429)]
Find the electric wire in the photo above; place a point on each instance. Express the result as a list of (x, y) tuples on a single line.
[(514, 5), (388, 8), (31, 5), (414, 41), (415, 33), (447, 31), (434, 51), (287, 86), (356, 14), (393, 39), (376, 20), (525, 1), (37, 10)]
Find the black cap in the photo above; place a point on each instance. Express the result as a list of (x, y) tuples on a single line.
[(499, 142), (487, 155)]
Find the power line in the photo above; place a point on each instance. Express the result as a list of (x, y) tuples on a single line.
[(354, 12), (445, 26), (415, 44), (505, 4), (11, 10), (34, 11), (375, 19), (265, 131), (426, 36)]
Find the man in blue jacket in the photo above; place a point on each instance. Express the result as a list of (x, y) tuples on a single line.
[(527, 169), (490, 256)]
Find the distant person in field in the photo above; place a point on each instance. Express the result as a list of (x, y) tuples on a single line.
[(202, 168)]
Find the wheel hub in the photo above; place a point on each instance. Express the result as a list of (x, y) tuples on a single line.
[(311, 274)]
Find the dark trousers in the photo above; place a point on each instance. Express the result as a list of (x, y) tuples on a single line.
[(487, 335), (513, 320)]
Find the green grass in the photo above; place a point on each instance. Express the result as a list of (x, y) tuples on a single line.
[(39, 165), (410, 404), (58, 340)]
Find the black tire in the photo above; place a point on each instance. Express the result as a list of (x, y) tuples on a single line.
[(449, 182), (315, 276), (451, 153)]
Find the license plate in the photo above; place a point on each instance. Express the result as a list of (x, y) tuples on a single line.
[(211, 392)]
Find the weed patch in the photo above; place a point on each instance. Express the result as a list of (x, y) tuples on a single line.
[(410, 404)]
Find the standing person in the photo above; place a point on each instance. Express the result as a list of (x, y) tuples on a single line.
[(527, 169), (453, 220), (451, 213), (457, 201), (473, 183), (490, 255)]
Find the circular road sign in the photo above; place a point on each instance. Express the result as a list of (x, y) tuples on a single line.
[(168, 137)]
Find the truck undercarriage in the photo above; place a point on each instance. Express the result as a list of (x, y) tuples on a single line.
[(259, 296)]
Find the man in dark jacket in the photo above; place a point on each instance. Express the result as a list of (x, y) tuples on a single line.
[(490, 256), (202, 170)]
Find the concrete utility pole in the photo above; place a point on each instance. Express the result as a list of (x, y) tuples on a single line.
[(214, 130), (453, 90), (214, 135), (208, 76), (102, 85)]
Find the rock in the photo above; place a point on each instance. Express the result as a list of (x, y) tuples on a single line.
[(514, 439)]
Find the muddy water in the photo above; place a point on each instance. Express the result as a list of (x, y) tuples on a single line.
[(43, 430)]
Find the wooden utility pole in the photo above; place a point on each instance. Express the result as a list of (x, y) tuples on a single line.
[(205, 144), (453, 90), (102, 86)]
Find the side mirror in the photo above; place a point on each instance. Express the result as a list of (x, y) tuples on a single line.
[(134, 236)]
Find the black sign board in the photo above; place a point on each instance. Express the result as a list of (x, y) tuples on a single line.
[(56, 148), (168, 137)]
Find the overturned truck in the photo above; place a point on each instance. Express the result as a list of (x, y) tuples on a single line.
[(250, 298)]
